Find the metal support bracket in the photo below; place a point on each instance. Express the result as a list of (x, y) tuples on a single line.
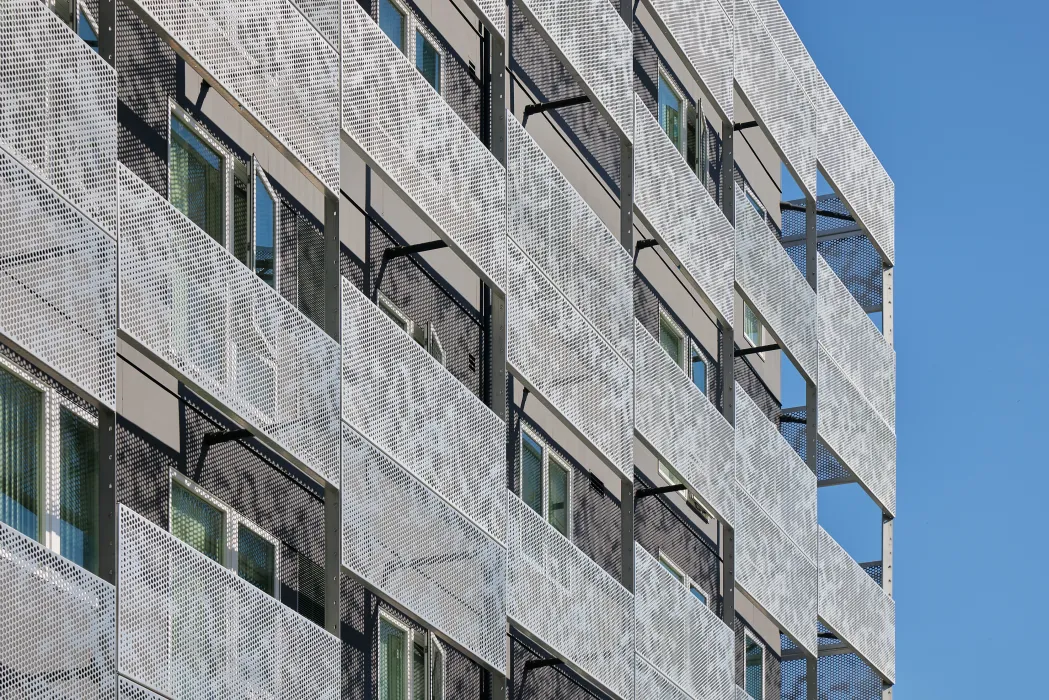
[(744, 125), (743, 352), (541, 663), (541, 107), (644, 493), (402, 250)]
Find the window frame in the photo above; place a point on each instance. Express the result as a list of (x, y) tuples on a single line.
[(673, 477), (684, 338), (761, 328), (411, 635), (548, 453), (695, 350), (406, 17), (664, 75), (257, 173), (678, 572), (394, 312), (747, 634), (429, 37), (387, 618), (188, 121)]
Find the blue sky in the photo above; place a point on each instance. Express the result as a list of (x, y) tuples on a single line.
[(952, 96)]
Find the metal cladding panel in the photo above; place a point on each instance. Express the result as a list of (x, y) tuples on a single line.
[(565, 239), (858, 436), (856, 173), (678, 635), (568, 601), (58, 108), (597, 46), (272, 60), (57, 625), (190, 627), (567, 362), (855, 343), (58, 287), (190, 302), (775, 572), (650, 684), (402, 538), (742, 694), (769, 469), (414, 136), (494, 14), (325, 15), (772, 282), (129, 690), (413, 409), (684, 216), (681, 424), (790, 44), (778, 96), (703, 31), (856, 608)]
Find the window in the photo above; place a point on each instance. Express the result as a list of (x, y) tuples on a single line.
[(419, 668), (78, 489), (393, 661), (754, 662), (196, 178), (546, 483), (672, 568), (256, 559), (699, 369), (393, 22), (698, 592), (428, 60), (424, 334), (751, 325), (22, 448), (670, 111), (672, 339), (437, 676), (419, 676), (391, 310), (265, 230), (672, 477), (85, 29), (557, 503), (198, 523), (678, 573), (531, 473)]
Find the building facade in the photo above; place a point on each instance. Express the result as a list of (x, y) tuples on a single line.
[(426, 349)]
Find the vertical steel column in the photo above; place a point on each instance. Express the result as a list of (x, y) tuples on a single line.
[(626, 238), (107, 495), (887, 522), (332, 497), (727, 380), (811, 269), (107, 22)]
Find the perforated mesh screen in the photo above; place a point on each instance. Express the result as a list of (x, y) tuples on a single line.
[(58, 108), (653, 685), (58, 279), (129, 690), (405, 402), (190, 627), (406, 541), (789, 43), (193, 304), (412, 135), (57, 625), (569, 602), (678, 635), (684, 217), (558, 231), (325, 16), (838, 675)]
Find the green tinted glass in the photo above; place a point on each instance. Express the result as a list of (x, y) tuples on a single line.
[(256, 559), (78, 490), (21, 425), (197, 523)]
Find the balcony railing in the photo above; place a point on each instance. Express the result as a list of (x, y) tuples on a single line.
[(409, 133), (190, 627), (190, 302), (57, 624), (568, 602), (58, 108), (789, 43), (58, 282), (405, 540), (559, 355), (650, 684), (129, 690), (406, 403), (681, 213), (676, 419), (680, 637), (324, 15), (856, 608)]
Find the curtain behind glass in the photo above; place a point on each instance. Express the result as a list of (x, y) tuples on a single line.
[(21, 423), (78, 490), (197, 523), (391, 662), (196, 181)]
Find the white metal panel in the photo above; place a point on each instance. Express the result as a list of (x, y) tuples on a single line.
[(325, 15), (564, 598), (57, 625), (559, 355), (678, 635), (790, 44), (412, 135), (565, 239), (680, 423), (493, 14), (129, 690), (858, 610), (58, 282), (682, 214), (650, 684), (775, 286), (406, 403), (190, 302), (58, 108), (405, 540)]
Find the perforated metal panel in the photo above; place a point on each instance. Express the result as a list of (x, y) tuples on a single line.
[(406, 403), (856, 608), (681, 424), (552, 347), (779, 26), (776, 93), (774, 572), (129, 690), (682, 214), (683, 638), (773, 474), (190, 302), (410, 133), (596, 45), (402, 538), (189, 627), (703, 31), (58, 282), (859, 438), (650, 684), (273, 61), (493, 14), (58, 108), (571, 604), (742, 694), (565, 239), (855, 343), (325, 15), (57, 625), (779, 292)]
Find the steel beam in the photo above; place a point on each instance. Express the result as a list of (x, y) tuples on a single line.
[(107, 495)]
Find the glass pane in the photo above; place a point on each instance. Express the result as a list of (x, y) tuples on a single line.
[(670, 111), (751, 326), (241, 221), (264, 233), (558, 505), (197, 523), (418, 671), (670, 340), (699, 595), (78, 490), (437, 684), (753, 674), (85, 32), (428, 60), (673, 570), (391, 661), (699, 371), (196, 181), (531, 473), (21, 423), (391, 22), (256, 559)]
